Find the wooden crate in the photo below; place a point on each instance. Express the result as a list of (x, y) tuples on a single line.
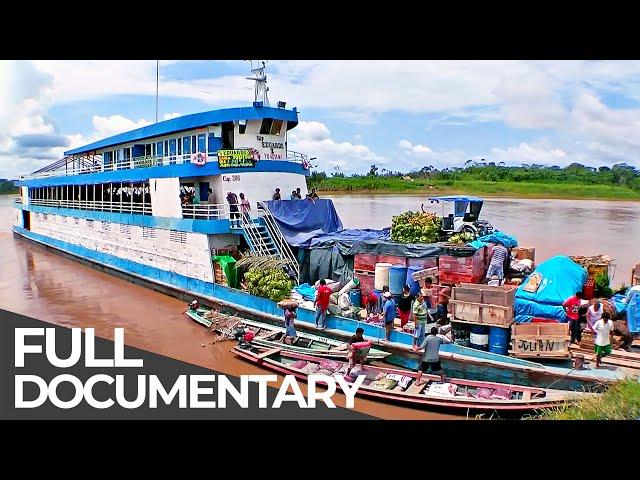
[(500, 295), (219, 275), (482, 313), (540, 340)]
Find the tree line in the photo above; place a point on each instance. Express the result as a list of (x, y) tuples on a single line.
[(620, 174)]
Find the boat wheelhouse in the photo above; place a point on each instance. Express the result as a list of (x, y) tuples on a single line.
[(119, 201)]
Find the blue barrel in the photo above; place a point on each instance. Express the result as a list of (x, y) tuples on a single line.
[(356, 297), (397, 279), (479, 337), (413, 284), (499, 340)]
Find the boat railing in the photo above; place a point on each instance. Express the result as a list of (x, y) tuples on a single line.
[(103, 206), (17, 199), (205, 211), (278, 237), (144, 161)]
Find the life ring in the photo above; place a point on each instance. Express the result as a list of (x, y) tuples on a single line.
[(305, 164), (199, 158)]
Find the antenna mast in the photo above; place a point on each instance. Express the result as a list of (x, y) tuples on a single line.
[(260, 79), (157, 81)]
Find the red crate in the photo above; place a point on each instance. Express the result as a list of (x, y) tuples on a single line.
[(457, 278), (473, 265), (392, 259), (429, 262), (365, 261), (367, 282)]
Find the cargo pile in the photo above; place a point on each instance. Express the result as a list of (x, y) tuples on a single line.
[(265, 277), (416, 227)]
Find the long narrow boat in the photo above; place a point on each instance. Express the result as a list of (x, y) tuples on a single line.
[(399, 385), (271, 336)]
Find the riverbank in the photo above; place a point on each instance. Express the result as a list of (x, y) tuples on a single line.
[(621, 401), (395, 185)]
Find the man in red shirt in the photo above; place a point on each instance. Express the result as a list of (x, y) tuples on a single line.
[(572, 309), (371, 303), (322, 303)]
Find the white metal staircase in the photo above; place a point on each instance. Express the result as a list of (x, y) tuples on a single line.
[(266, 239)]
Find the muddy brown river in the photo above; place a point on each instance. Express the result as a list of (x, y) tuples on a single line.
[(47, 286)]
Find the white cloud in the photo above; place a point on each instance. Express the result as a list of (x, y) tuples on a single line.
[(314, 139), (529, 154), (169, 116), (411, 149)]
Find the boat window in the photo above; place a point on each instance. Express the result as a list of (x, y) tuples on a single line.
[(265, 128), (172, 150), (179, 147), (276, 127), (159, 149), (186, 145), (242, 126), (201, 141)]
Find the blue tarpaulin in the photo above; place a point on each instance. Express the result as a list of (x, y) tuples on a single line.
[(307, 291), (633, 310), (561, 278), (495, 237), (301, 220)]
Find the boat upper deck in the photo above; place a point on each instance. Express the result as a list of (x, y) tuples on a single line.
[(232, 138)]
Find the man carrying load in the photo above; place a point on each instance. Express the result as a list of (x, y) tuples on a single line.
[(358, 350)]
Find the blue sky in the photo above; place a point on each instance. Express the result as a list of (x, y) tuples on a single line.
[(399, 115)]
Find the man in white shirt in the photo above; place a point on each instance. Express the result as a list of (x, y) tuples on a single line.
[(594, 314), (602, 328)]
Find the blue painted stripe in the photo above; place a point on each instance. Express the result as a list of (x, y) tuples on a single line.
[(189, 122), (183, 170)]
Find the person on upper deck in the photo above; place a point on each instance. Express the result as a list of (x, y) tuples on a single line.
[(496, 266), (314, 195), (245, 206), (276, 195), (234, 214), (298, 194), (293, 195), (211, 198)]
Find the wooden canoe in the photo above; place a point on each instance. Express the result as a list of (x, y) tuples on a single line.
[(271, 336), (399, 385)]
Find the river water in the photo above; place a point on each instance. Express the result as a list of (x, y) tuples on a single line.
[(47, 286), (553, 227)]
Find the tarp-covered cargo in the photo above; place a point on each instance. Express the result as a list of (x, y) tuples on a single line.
[(559, 278), (633, 309), (301, 220)]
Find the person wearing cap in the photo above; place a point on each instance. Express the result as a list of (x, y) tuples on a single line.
[(421, 316), (389, 313), (381, 298), (234, 214)]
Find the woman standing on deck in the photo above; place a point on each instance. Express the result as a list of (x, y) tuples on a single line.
[(245, 207)]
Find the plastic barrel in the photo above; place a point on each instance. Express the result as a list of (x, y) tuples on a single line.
[(397, 279), (499, 340), (381, 275), (356, 297), (413, 284), (479, 337)]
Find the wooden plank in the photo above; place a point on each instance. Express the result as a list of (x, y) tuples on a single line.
[(541, 337), (476, 304), (526, 395), (519, 354), (268, 352)]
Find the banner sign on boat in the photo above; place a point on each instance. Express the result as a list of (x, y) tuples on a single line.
[(243, 157)]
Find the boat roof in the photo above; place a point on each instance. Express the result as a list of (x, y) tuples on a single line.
[(188, 122), (456, 198)]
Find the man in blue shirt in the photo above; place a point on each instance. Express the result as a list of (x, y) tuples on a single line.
[(388, 313)]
